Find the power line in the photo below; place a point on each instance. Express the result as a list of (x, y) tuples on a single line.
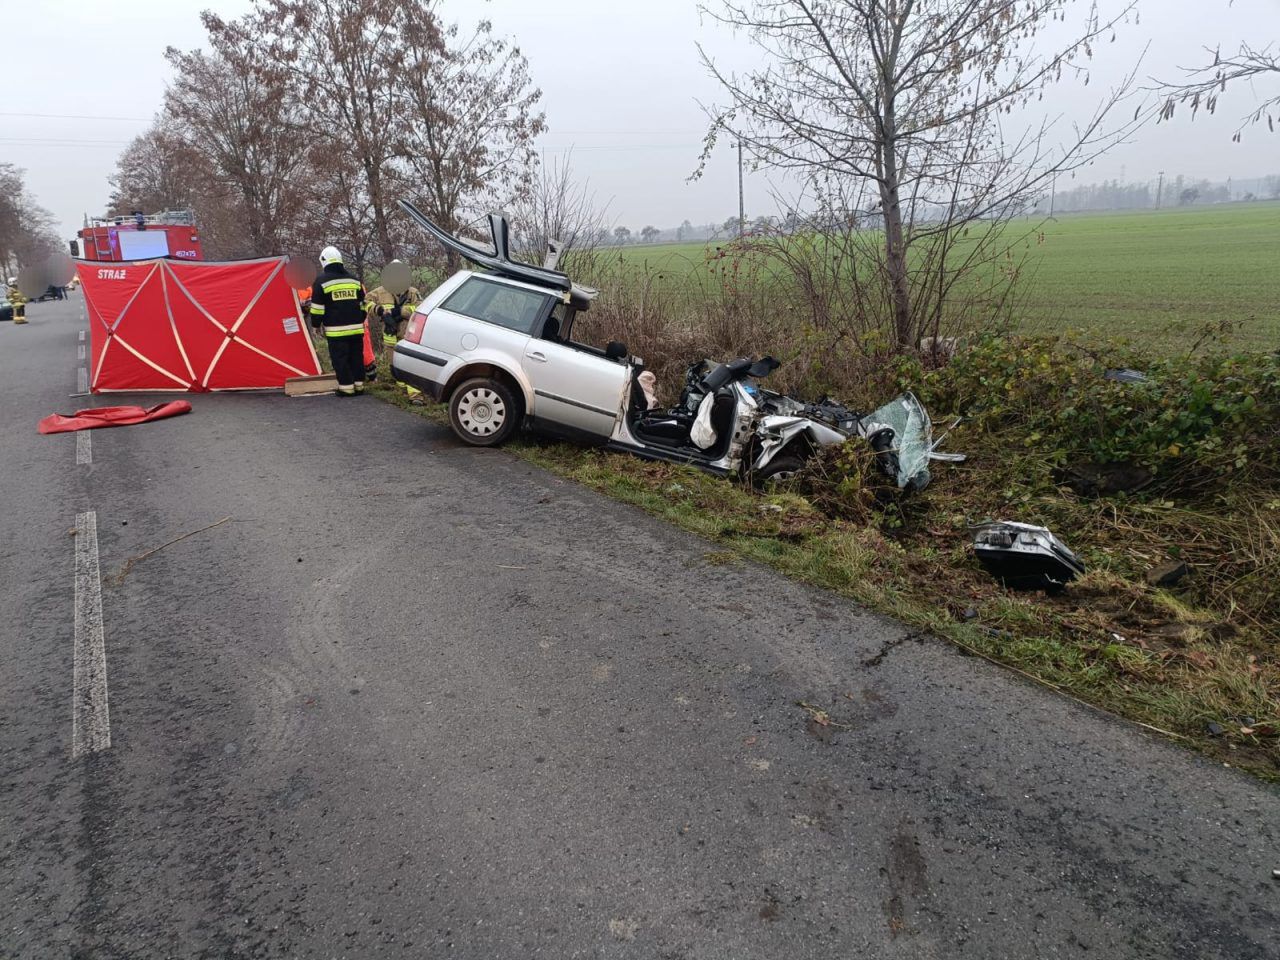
[(67, 142), (627, 146), (550, 132), (75, 116)]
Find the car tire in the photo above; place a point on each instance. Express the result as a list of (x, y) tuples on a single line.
[(777, 472), (484, 412)]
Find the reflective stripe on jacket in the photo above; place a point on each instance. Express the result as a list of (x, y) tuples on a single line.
[(337, 302)]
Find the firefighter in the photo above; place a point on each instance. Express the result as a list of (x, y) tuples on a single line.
[(17, 301), (338, 309), (392, 311)]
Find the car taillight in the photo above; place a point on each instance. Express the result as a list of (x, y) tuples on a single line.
[(414, 333)]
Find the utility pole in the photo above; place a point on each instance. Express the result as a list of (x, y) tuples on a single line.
[(742, 210), (1159, 189)]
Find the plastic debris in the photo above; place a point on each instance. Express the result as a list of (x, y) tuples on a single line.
[(1025, 557)]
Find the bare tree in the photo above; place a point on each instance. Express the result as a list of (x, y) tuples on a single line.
[(344, 57), (468, 145), (235, 110), (622, 235), (340, 212), (156, 172), (306, 119), (27, 231), (1201, 87), (558, 207), (913, 116), (12, 216), (161, 170)]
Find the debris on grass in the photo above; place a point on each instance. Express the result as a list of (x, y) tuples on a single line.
[(1025, 557)]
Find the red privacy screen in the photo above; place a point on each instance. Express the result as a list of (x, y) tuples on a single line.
[(193, 326)]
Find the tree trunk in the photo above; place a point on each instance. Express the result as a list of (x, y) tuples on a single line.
[(377, 200), (896, 266), (895, 241)]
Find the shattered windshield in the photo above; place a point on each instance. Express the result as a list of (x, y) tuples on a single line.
[(912, 437)]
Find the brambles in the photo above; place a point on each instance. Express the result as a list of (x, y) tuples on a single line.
[(1191, 425)]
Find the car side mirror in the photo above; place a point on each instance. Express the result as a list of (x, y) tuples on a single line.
[(616, 350)]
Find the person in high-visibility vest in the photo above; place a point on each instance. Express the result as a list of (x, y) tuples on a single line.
[(338, 308), (392, 311), (17, 301)]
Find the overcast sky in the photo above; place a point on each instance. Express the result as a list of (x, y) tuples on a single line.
[(621, 85)]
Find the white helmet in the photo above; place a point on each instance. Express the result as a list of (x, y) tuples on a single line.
[(330, 255), (13, 281)]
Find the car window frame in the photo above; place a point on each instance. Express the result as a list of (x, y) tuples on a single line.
[(538, 323)]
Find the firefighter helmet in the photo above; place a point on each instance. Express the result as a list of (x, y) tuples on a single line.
[(330, 255)]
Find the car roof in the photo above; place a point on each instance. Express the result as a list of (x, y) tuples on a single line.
[(499, 264), (508, 282)]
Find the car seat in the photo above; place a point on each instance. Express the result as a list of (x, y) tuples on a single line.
[(667, 427), (722, 418)]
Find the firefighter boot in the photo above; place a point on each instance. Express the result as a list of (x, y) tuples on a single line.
[(20, 313)]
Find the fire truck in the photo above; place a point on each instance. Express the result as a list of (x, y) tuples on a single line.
[(139, 237)]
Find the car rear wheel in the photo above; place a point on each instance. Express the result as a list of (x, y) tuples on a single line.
[(483, 412)]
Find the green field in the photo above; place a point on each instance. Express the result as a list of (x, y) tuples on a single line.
[(1163, 273)]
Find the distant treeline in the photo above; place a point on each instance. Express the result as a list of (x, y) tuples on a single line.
[(1175, 191)]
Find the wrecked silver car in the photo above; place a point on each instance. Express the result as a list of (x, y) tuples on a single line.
[(496, 344)]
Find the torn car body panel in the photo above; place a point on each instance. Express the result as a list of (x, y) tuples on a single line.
[(777, 432)]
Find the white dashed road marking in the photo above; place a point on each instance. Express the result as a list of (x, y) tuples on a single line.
[(90, 718), (84, 448), (82, 380), (82, 336), (80, 352)]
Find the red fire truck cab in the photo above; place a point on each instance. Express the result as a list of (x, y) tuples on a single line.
[(139, 237)]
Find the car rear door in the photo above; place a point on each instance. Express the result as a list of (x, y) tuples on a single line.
[(575, 388), (509, 313)]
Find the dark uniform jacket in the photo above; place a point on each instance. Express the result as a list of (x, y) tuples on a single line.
[(337, 302)]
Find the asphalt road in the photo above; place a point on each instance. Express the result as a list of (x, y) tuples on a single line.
[(415, 700)]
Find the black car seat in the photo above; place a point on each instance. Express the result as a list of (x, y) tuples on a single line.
[(722, 408), (667, 427), (551, 329), (664, 427)]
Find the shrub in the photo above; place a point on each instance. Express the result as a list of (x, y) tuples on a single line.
[(1194, 421)]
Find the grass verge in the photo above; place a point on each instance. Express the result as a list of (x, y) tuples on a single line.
[(1176, 661)]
